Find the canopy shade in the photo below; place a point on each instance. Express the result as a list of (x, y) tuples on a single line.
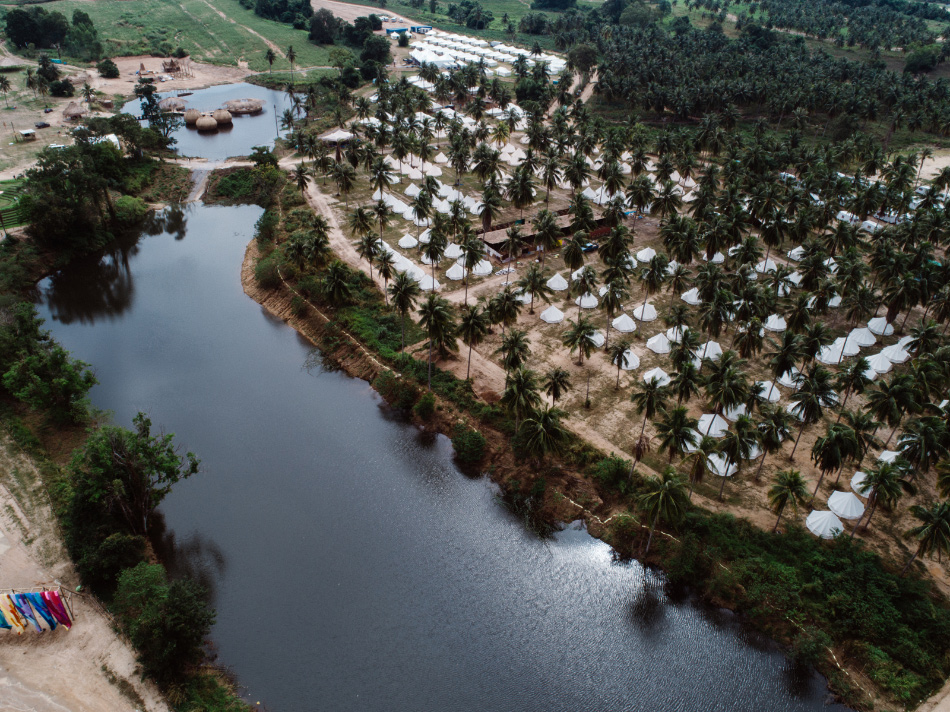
[(846, 505), (659, 344), (776, 323), (715, 426), (658, 373), (769, 391), (646, 254), (691, 297), (824, 524), (675, 333), (859, 486), (407, 242), (719, 465), (710, 349), (455, 273), (880, 326), (632, 361), (586, 301), (557, 283), (790, 379), (863, 337), (552, 315), (645, 312), (624, 324)]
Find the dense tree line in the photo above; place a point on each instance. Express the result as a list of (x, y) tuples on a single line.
[(291, 12), (694, 72), (870, 24), (42, 29)]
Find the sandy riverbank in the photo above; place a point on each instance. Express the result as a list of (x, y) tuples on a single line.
[(86, 669)]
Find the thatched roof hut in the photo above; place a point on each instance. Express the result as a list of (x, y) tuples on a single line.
[(192, 116), (172, 103), (206, 123), (73, 111), (222, 116), (245, 106)]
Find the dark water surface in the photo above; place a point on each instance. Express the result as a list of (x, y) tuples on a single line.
[(236, 140), (354, 567)]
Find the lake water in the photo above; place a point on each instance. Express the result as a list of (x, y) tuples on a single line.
[(236, 140), (353, 566)]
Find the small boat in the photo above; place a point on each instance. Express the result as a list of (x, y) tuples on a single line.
[(185, 93)]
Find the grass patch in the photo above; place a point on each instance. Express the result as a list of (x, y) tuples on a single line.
[(146, 26)]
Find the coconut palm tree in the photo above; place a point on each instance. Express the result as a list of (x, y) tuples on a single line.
[(833, 450), (892, 400), (699, 461), (547, 233), (573, 252), (580, 336), (292, 58), (933, 533), (649, 398), (619, 357), (271, 58), (513, 244), (386, 269), (437, 318), (336, 283), (774, 428), (788, 488), (506, 307), (473, 328), (786, 354), (652, 276), (535, 283), (542, 432), (521, 395), (343, 174), (404, 292), (677, 431), (815, 393), (923, 443), (556, 383), (738, 444), (851, 379), (381, 176), (664, 498), (515, 350), (686, 381), (884, 484)]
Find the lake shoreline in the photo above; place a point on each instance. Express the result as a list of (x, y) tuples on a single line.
[(356, 360)]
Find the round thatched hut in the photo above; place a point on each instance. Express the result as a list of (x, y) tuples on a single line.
[(206, 123), (192, 116), (245, 106), (73, 111), (172, 103), (222, 116)]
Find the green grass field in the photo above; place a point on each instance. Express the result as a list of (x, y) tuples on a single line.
[(9, 210), (140, 26)]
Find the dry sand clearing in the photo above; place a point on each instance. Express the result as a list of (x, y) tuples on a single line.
[(87, 668)]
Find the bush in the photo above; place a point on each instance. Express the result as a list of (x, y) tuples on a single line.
[(130, 211), (426, 405), (63, 87), (810, 647), (266, 274), (469, 445), (266, 226), (613, 472), (108, 69), (398, 392), (298, 307), (166, 623)]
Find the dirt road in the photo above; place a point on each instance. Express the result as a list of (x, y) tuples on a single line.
[(347, 12)]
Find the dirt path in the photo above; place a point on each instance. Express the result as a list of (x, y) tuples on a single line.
[(87, 668), (589, 89), (277, 50)]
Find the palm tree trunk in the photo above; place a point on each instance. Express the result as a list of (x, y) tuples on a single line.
[(815, 493), (636, 455), (403, 333), (867, 523), (791, 458), (430, 363), (469, 369), (758, 470), (912, 559), (722, 487), (775, 528), (650, 538), (838, 479), (888, 442)]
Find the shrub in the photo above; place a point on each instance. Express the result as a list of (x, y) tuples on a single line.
[(266, 226), (108, 69), (398, 392), (811, 645), (130, 211), (298, 307), (469, 445), (613, 472), (63, 87), (266, 274), (426, 405)]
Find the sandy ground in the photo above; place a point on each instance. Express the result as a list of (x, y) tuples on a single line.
[(346, 11), (79, 669)]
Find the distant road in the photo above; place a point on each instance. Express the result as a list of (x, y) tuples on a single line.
[(348, 12)]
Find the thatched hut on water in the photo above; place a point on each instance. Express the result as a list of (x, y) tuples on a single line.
[(172, 103), (245, 106)]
